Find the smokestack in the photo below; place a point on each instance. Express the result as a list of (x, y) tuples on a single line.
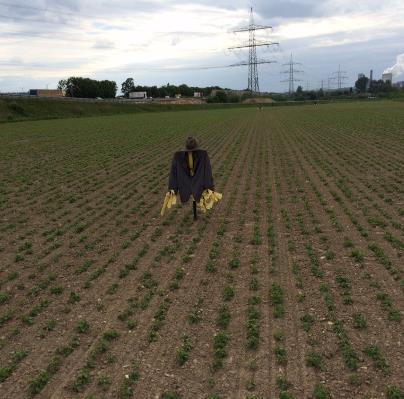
[(369, 85)]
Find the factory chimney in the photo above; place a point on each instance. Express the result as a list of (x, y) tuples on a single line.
[(370, 80)]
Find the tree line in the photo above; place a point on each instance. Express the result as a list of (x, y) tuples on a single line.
[(168, 90), (89, 88)]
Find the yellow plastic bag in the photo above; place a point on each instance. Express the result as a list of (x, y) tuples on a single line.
[(207, 200), (169, 200)]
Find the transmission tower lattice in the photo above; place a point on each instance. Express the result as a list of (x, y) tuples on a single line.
[(291, 71), (253, 61), (340, 77)]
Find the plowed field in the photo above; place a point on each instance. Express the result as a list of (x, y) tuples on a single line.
[(291, 287)]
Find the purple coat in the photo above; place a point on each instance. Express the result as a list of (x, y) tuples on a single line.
[(180, 179)]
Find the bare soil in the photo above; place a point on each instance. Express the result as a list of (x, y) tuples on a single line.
[(100, 297)]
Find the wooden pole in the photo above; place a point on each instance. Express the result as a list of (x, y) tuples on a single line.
[(194, 207)]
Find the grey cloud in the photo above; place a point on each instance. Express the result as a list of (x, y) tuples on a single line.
[(59, 13), (107, 26), (18, 62), (285, 9), (103, 45), (47, 34), (125, 8), (288, 9), (45, 12)]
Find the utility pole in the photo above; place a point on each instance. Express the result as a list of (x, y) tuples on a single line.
[(340, 77), (292, 71), (253, 61), (322, 84), (329, 80)]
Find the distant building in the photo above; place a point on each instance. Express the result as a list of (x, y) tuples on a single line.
[(178, 96), (387, 78), (138, 95), (198, 94), (46, 93), (399, 85)]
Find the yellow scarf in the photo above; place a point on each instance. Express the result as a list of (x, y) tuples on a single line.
[(190, 163)]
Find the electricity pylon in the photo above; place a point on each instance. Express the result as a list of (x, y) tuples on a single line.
[(253, 61), (340, 77), (291, 71)]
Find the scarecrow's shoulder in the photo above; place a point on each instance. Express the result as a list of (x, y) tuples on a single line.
[(178, 153), (181, 153), (202, 153)]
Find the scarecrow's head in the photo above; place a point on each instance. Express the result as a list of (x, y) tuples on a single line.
[(191, 143)]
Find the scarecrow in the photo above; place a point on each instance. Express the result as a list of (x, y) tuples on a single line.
[(191, 176)]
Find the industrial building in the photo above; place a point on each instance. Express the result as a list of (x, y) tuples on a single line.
[(387, 78), (46, 93), (138, 95)]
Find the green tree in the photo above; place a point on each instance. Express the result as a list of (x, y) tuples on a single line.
[(185, 91), (299, 95), (128, 86), (361, 84), (107, 89), (221, 97), (62, 85), (88, 88)]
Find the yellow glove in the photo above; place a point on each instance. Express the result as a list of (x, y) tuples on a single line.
[(207, 200), (169, 200)]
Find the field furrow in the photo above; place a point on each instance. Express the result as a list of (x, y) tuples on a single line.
[(291, 287)]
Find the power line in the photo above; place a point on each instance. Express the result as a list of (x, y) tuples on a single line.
[(253, 61), (291, 71), (138, 68), (258, 62)]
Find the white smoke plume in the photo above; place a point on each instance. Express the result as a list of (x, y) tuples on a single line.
[(398, 67)]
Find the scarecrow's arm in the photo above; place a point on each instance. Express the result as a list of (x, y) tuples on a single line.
[(208, 183)]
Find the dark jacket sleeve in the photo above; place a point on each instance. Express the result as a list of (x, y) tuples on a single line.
[(173, 180), (208, 178)]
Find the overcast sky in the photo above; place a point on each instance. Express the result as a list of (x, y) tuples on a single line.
[(172, 41)]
